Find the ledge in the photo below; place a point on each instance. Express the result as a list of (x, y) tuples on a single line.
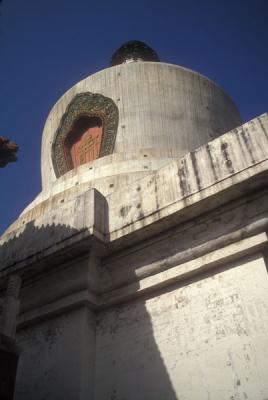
[(148, 285)]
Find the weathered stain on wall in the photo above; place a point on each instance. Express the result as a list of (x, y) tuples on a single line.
[(203, 340)]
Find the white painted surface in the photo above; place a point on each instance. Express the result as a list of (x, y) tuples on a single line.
[(161, 106), (206, 339), (155, 286)]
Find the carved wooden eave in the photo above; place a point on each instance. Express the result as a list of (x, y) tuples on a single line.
[(8, 150)]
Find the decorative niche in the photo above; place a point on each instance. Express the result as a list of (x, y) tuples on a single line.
[(87, 131)]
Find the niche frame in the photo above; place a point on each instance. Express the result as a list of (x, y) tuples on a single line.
[(90, 105)]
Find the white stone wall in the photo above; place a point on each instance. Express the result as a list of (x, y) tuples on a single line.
[(57, 358), (172, 271), (205, 339)]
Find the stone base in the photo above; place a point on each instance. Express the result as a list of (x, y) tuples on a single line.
[(155, 293)]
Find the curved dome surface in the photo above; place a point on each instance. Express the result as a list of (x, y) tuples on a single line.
[(162, 108)]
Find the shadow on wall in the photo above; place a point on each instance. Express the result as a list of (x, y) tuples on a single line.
[(111, 352), (32, 241), (129, 365)]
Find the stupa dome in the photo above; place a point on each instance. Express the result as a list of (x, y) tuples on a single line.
[(133, 51)]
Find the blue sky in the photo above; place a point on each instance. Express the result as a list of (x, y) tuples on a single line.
[(47, 46)]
